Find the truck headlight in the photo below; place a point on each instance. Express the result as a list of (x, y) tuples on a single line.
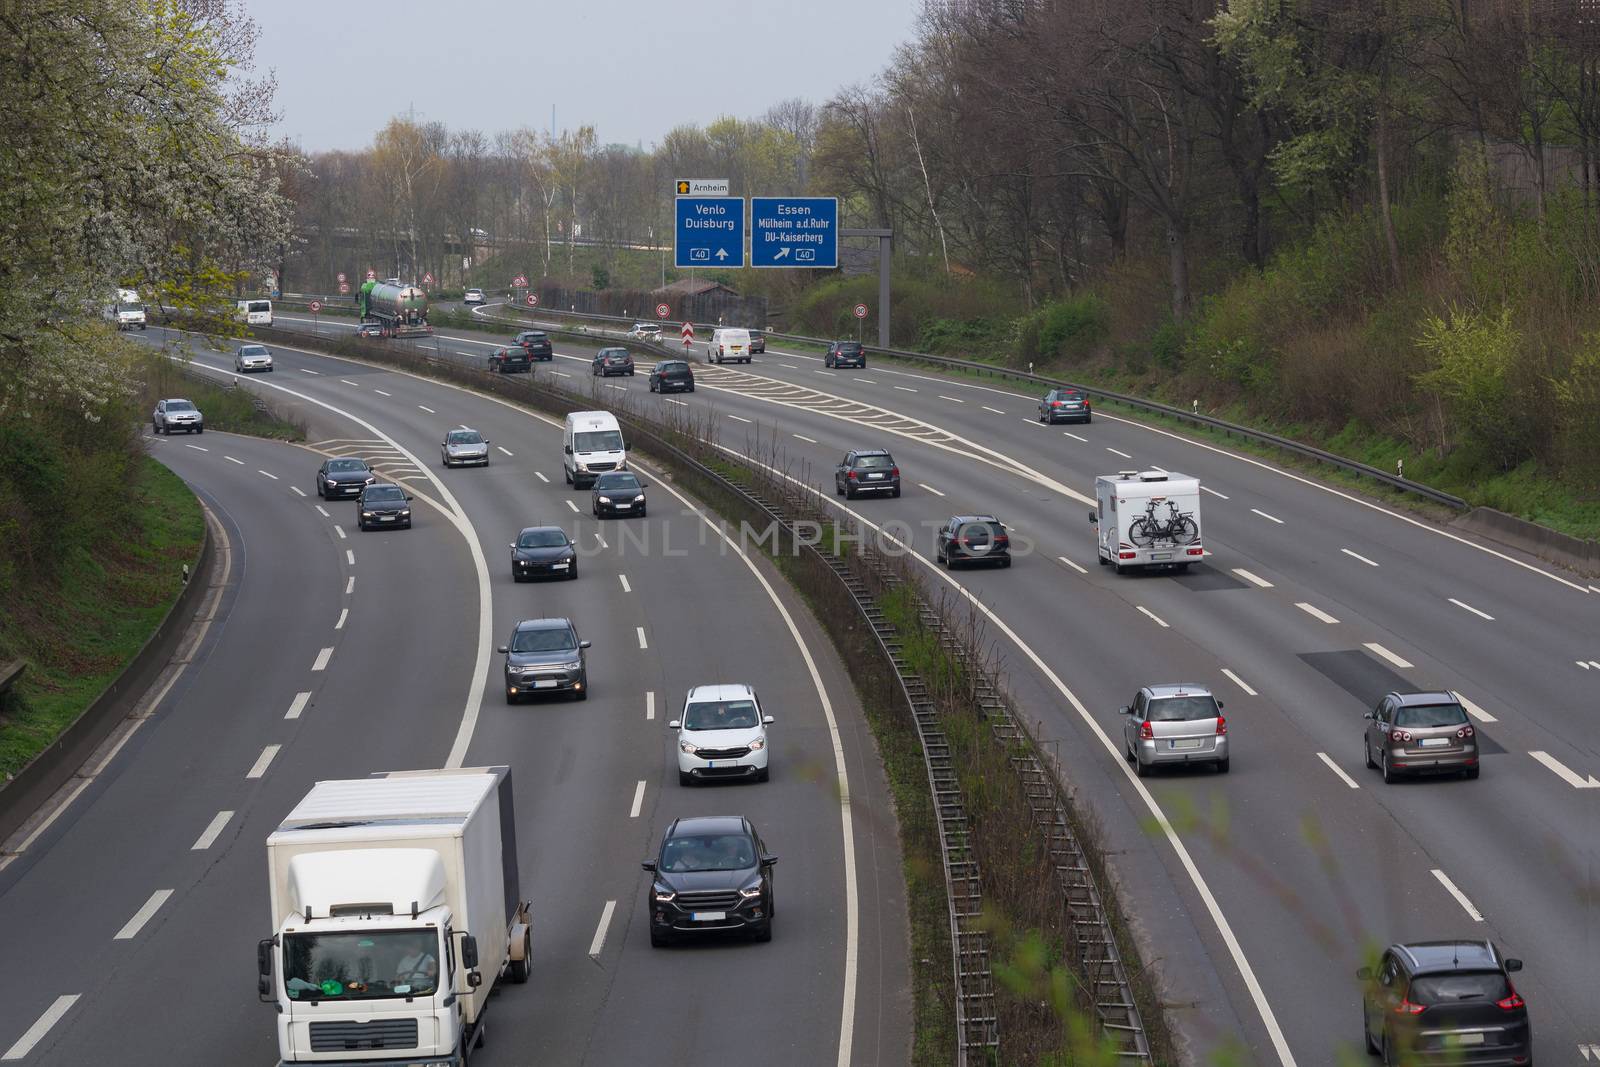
[(689, 747)]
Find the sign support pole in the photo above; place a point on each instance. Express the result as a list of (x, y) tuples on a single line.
[(885, 248)]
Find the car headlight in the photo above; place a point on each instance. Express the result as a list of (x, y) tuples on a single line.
[(405, 513), (689, 746), (366, 514), (605, 500), (575, 665), (639, 499), (663, 894), (750, 892), (758, 744)]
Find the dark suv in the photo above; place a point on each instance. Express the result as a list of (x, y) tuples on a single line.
[(1420, 733), (973, 539), (845, 354), (866, 470), (1061, 404), (712, 874), (671, 375), (1445, 1002), (545, 656), (510, 360), (537, 344), (758, 342)]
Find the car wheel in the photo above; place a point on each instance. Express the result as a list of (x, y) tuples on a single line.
[(764, 774), (1127, 753), (849, 493), (1470, 772), (567, 475), (764, 931), (685, 778), (200, 429), (652, 386), (320, 493), (583, 694), (1366, 1034), (515, 577), (572, 573), (659, 939), (1005, 563), (1388, 772), (1142, 767), (895, 491), (523, 968), (643, 511), (1087, 419), (1366, 755), (1098, 558), (690, 389), (1117, 567), (1222, 766), (511, 698), (1383, 1052)]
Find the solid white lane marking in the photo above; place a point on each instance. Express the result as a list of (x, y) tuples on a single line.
[(1461, 898), (1315, 612), (344, 613), (803, 437), (1581, 663), (540, 475), (953, 399), (1213, 492), (642, 642), (1595, 663), (1252, 578), (623, 578), (504, 449), (638, 800), (305, 371), (297, 706), (573, 506), (1071, 564), (1240, 682), (230, 459), (1469, 607), (264, 760), (561, 374), (323, 512), (1359, 556), (213, 830), (347, 381), (350, 557), (1117, 452), (340, 531), (1473, 709), (905, 388), (930, 488), (618, 388), (1565, 773), (297, 491), (1269, 518), (350, 585), (1336, 769), (650, 705), (1378, 650), (740, 418), (601, 541), (197, 448), (380, 392), (429, 410), (41, 1026), (1075, 437), (1157, 619), (322, 659), (600, 931), (986, 407)]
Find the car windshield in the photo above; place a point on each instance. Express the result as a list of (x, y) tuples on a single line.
[(721, 715), (384, 494), (597, 441), (874, 462), (618, 480), (614, 353), (707, 852), (1065, 396), (465, 437), (179, 405), (850, 347), (671, 368), (529, 338), (977, 530), (1448, 988), (368, 965), (336, 466), (258, 305), (1182, 709), (549, 639), (1425, 715), (541, 539), (253, 350)]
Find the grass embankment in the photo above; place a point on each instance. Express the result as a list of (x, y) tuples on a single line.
[(226, 407)]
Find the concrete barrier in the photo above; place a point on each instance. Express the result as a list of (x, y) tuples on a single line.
[(1564, 550)]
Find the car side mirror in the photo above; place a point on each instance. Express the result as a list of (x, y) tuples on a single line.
[(474, 979), (627, 446), (769, 861), (512, 545), (1513, 965), (1364, 973), (768, 720), (1220, 705), (675, 724), (469, 952), (1093, 517), (264, 957), (503, 650), (1368, 715), (644, 485), (583, 644), (408, 496), (649, 865), (567, 449), (1125, 710)]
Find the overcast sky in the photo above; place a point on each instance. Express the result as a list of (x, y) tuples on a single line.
[(631, 68)]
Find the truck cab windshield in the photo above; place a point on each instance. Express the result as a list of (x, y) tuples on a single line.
[(362, 965), (597, 441)]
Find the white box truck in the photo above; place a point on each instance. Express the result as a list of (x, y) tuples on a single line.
[(395, 910), (591, 445), (1147, 519)]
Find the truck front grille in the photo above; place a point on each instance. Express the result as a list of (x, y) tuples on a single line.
[(380, 1033)]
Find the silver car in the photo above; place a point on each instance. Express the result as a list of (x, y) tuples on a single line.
[(1420, 733), (463, 447), (1175, 724), (252, 357), (177, 414)]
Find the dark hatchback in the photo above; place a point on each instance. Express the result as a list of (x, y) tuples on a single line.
[(1059, 405), (1447, 1002), (866, 470), (384, 504), (845, 354), (671, 376), (545, 656), (617, 493), (609, 361), (543, 552), (510, 360), (712, 874), (537, 344), (758, 342), (344, 476), (973, 539)]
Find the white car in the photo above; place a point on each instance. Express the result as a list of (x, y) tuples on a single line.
[(722, 734), (175, 413), (646, 331), (472, 296), (252, 357)]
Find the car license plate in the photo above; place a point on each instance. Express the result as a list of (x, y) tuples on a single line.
[(708, 916), (545, 683), (1161, 555), (558, 566), (874, 476), (1434, 742), (1465, 1039), (1190, 743), (385, 518), (711, 763)]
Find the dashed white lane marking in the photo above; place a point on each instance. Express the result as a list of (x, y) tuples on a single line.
[(1565, 773), (350, 557), (1240, 682), (350, 585), (829, 373), (1075, 437), (503, 449), (791, 366), (263, 761), (803, 437), (1153, 616), (952, 399), (323, 512), (638, 800), (561, 374), (1582, 663), (41, 1026), (1378, 650), (297, 491), (600, 931), (303, 370), (340, 531), (868, 381), (1473, 709), (1253, 579), (573, 506), (213, 830), (197, 448), (740, 418), (1359, 556), (1469, 607), (1315, 612), (997, 411), (1336, 769), (1269, 518), (322, 659), (601, 541), (1117, 452), (1213, 492), (347, 381), (540, 475), (1461, 898), (297, 706), (618, 388), (650, 705), (642, 642), (930, 488), (230, 459), (344, 613), (380, 392), (1071, 564), (905, 388), (680, 403), (429, 410)]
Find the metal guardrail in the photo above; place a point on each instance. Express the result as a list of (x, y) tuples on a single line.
[(11, 673)]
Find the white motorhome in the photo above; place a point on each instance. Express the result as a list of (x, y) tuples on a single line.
[(1147, 519), (255, 312), (127, 311), (591, 444), (395, 910)]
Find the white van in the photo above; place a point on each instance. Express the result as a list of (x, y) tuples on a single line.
[(728, 345), (1147, 519), (591, 444), (127, 311), (255, 312)]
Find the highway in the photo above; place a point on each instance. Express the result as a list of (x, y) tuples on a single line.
[(1259, 893), (334, 653)]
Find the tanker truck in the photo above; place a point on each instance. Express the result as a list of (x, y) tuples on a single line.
[(401, 310)]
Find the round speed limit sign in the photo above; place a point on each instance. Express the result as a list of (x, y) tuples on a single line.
[(533, 299), (861, 311), (662, 311), (316, 306)]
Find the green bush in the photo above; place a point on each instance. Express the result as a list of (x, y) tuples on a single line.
[(1070, 328)]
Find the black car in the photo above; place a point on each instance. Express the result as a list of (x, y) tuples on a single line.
[(973, 539), (671, 375), (343, 476), (617, 493), (545, 656), (383, 504), (845, 354), (866, 470), (1060, 404), (609, 361), (537, 344), (713, 873), (509, 360), (543, 550), (758, 342), (1445, 1002)]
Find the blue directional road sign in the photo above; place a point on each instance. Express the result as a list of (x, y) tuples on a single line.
[(709, 232), (794, 231)]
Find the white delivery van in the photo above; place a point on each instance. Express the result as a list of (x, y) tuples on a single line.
[(591, 444), (127, 311), (255, 312), (729, 345), (1147, 519)]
